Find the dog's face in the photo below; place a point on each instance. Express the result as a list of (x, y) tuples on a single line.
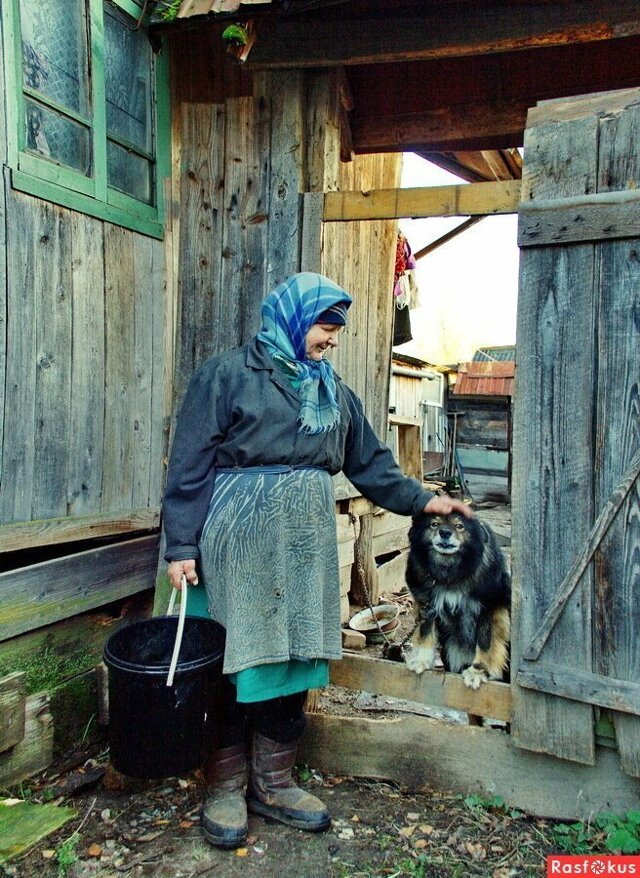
[(447, 534), (450, 547)]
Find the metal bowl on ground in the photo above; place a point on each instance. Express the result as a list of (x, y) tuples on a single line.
[(376, 623)]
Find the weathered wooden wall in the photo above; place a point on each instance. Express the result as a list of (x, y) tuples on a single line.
[(85, 366), (84, 403), (577, 428), (245, 164)]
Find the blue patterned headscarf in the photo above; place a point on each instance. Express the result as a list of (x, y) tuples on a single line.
[(288, 313)]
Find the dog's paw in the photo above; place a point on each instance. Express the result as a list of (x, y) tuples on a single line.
[(393, 652), (421, 659), (474, 676)]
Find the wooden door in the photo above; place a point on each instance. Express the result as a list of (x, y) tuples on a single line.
[(576, 497)]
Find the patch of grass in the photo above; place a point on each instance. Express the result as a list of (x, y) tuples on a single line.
[(475, 802), (47, 668), (66, 854)]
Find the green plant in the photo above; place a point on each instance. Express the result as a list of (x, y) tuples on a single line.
[(622, 832), (170, 11), (66, 854), (475, 802), (573, 838)]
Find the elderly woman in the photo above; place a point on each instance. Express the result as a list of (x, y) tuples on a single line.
[(249, 505)]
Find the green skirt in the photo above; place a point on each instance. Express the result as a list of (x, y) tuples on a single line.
[(264, 682)]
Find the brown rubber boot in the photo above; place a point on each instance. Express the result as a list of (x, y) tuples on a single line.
[(273, 793), (224, 816)]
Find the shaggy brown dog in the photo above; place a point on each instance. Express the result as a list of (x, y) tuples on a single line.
[(458, 577)]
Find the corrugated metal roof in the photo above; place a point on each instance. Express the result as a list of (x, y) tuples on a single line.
[(485, 379), (490, 354)]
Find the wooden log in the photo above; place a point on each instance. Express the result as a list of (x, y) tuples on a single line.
[(434, 688), (52, 590), (54, 531), (364, 582), (470, 199), (420, 753), (35, 752), (12, 710)]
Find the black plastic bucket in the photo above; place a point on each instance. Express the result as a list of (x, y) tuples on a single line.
[(157, 730)]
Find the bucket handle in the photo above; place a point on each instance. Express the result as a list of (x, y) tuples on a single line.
[(179, 632)]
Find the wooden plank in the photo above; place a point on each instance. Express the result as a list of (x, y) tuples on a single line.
[(466, 199), (552, 450), (420, 753), (53, 531), (3, 288), (52, 590), (482, 124), (599, 216), (597, 534), (569, 109), (312, 207), (617, 434), (119, 412), (35, 752), (13, 696), (391, 574), (145, 302), (285, 90), (162, 330), (246, 199), (86, 429), (464, 32), (51, 428), (580, 686), (434, 688), (16, 487), (201, 221)]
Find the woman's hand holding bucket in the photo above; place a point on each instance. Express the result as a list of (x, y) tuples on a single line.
[(178, 569)]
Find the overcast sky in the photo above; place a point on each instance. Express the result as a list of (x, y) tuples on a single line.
[(468, 287)]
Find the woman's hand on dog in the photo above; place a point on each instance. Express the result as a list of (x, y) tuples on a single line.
[(441, 504)]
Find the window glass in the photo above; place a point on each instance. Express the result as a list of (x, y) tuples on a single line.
[(55, 136), (54, 51), (128, 64), (129, 173)]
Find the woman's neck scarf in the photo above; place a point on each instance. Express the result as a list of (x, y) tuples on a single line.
[(287, 315)]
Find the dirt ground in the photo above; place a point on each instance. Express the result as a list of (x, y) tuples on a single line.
[(142, 828)]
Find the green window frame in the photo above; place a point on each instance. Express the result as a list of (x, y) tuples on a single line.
[(89, 191)]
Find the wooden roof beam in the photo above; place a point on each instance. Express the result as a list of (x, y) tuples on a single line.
[(457, 31), (466, 199), (477, 126)]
